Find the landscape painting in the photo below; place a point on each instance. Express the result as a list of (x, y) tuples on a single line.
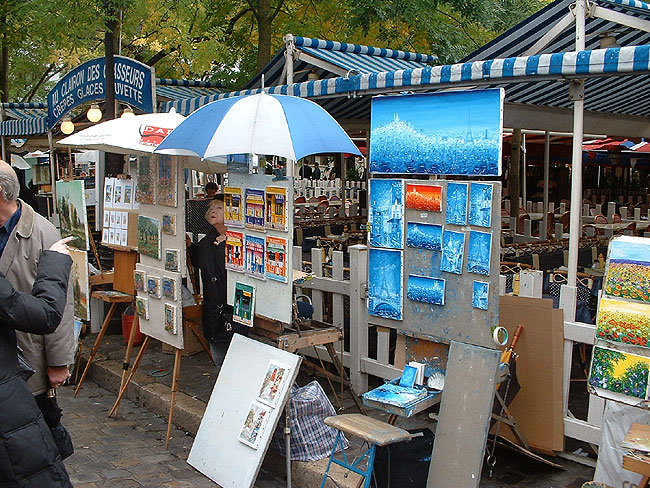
[(480, 204), (453, 248), (478, 252), (386, 218), (424, 197), (71, 206), (445, 133), (424, 236), (480, 292), (623, 321), (427, 290), (149, 236), (619, 372), (80, 287), (166, 182), (385, 283), (456, 204), (628, 268), (144, 192)]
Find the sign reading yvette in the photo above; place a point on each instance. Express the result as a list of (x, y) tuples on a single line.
[(134, 84)]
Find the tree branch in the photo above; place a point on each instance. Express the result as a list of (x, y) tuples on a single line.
[(46, 74), (277, 10)]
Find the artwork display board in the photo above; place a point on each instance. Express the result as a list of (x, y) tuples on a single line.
[(71, 207), (443, 282), (620, 365), (243, 412), (119, 225), (258, 256), (444, 133)]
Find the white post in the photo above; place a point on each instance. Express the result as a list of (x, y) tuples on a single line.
[(547, 160), (358, 316), (289, 41)]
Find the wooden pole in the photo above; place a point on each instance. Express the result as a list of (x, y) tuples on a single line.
[(136, 363), (127, 355), (514, 179), (177, 371)]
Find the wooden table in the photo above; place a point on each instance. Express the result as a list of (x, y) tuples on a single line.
[(637, 458)]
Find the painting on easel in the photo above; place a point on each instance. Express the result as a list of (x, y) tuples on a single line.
[(453, 247), (623, 321), (425, 289), (619, 372), (71, 206), (456, 204), (79, 279), (628, 269), (386, 218), (424, 236), (480, 204), (478, 252)]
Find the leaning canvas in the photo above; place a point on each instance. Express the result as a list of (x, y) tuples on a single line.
[(79, 281), (385, 270), (386, 217), (478, 252), (71, 206)]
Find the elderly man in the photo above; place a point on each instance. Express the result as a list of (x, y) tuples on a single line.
[(24, 235)]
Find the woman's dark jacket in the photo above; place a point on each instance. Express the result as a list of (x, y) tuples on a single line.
[(28, 456)]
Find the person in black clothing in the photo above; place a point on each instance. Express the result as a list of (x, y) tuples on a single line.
[(305, 171), (26, 194), (210, 256), (315, 173), (29, 457)]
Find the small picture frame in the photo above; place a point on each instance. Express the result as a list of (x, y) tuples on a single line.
[(172, 260), (139, 280), (169, 224), (169, 288), (142, 307), (153, 286), (170, 321)]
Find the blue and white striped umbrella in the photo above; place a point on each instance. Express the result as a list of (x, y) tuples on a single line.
[(278, 125)]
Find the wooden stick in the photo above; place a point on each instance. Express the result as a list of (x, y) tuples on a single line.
[(100, 336), (94, 248), (127, 355), (200, 338), (136, 363), (177, 371)]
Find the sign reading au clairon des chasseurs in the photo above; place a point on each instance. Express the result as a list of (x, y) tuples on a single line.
[(134, 85)]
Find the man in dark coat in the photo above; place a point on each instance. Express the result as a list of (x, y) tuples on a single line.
[(29, 457)]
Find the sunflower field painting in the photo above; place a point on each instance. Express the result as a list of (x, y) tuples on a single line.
[(628, 269), (623, 321), (619, 372)]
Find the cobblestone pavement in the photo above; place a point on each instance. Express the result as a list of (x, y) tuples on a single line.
[(128, 452)]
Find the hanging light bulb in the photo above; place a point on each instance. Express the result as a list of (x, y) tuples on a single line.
[(67, 127), (94, 113), (127, 112)]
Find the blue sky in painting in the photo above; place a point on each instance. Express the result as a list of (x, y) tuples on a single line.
[(630, 251)]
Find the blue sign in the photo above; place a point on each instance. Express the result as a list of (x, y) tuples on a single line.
[(134, 84)]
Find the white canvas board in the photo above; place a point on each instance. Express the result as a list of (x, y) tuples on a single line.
[(217, 451)]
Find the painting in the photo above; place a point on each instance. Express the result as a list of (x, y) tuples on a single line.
[(124, 238), (623, 321), (149, 236), (80, 287), (628, 268), (142, 307), (480, 204), (169, 224), (234, 250), (117, 193), (171, 320), (276, 258), (385, 283), (254, 209), (254, 258), (424, 236), (108, 192), (169, 288), (456, 204), (244, 304), (386, 219), (453, 248), (276, 208), (425, 289), (445, 133), (232, 212), (166, 182), (125, 221), (619, 372), (478, 252), (139, 280), (424, 197), (105, 236), (480, 291), (112, 218), (275, 376), (172, 260), (153, 286), (144, 192), (71, 207), (254, 425), (41, 174), (127, 194), (107, 218)]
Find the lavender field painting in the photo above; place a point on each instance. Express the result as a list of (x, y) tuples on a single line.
[(427, 290), (424, 236), (447, 133)]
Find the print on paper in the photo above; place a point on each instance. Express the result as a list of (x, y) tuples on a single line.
[(108, 192), (453, 247), (456, 204), (149, 236), (254, 209), (276, 258), (619, 372), (127, 195), (244, 304), (425, 289), (254, 260), (254, 425), (385, 283), (233, 215), (478, 252), (628, 268), (386, 218), (424, 236), (424, 197), (276, 208), (480, 291), (480, 204), (234, 250), (274, 378)]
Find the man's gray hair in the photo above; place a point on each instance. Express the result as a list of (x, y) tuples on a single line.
[(9, 186)]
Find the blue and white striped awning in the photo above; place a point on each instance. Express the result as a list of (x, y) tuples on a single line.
[(174, 89), (23, 121)]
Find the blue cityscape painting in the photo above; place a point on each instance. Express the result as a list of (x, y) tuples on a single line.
[(450, 133), (456, 212), (427, 290), (385, 283), (425, 236), (480, 204), (478, 252), (480, 295), (386, 219), (453, 248)]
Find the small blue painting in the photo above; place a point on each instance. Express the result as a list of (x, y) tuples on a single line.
[(480, 204), (447, 133), (425, 236), (480, 295), (386, 219), (427, 290), (478, 252), (456, 212), (385, 283), (408, 376), (453, 248)]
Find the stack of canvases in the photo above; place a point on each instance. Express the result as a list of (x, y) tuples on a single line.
[(621, 358)]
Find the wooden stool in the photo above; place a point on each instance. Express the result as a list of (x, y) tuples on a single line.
[(374, 432)]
